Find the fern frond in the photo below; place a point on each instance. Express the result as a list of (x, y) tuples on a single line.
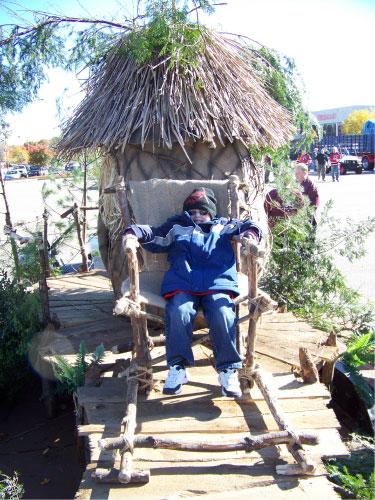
[(98, 354), (63, 366)]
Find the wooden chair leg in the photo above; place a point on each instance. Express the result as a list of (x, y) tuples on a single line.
[(253, 290)]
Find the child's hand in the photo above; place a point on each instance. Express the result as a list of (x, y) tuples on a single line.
[(129, 240), (250, 235)]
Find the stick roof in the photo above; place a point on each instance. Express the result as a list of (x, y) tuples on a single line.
[(220, 98)]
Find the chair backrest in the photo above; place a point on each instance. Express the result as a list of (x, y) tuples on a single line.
[(153, 201)]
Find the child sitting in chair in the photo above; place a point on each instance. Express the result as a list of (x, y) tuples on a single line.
[(202, 273)]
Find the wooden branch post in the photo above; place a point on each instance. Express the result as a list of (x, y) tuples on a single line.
[(142, 353), (309, 372), (45, 243), (328, 369), (43, 287), (76, 213), (235, 214), (84, 200), (130, 422), (138, 319), (235, 209), (110, 476), (252, 266), (123, 202)]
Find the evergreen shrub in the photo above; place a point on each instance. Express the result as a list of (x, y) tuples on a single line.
[(18, 320)]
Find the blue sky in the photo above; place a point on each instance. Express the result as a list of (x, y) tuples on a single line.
[(331, 41)]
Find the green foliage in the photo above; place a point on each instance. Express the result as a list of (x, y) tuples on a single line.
[(280, 78), (285, 85), (10, 489), (30, 270), (18, 320), (91, 48), (23, 62), (355, 475), (168, 33), (302, 275), (360, 350), (301, 272), (71, 376), (67, 190)]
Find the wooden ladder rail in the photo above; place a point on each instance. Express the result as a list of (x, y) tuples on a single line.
[(140, 375), (254, 372)]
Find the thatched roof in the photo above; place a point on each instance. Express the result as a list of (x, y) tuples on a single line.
[(220, 98)]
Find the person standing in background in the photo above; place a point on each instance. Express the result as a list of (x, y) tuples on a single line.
[(308, 188), (277, 208), (321, 160), (305, 158), (335, 164)]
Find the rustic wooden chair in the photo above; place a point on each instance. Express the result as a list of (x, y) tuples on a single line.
[(152, 202)]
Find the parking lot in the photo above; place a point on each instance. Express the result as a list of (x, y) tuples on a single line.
[(353, 197), (26, 206)]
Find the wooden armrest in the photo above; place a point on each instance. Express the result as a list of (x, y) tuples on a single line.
[(250, 247)]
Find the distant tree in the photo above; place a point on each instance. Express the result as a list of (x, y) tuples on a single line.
[(39, 155), (354, 123), (18, 154)]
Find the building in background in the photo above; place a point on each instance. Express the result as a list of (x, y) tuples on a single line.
[(331, 120)]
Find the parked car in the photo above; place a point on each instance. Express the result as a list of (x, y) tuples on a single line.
[(35, 170), (22, 169), (13, 174), (349, 163)]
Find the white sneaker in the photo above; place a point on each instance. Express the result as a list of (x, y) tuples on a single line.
[(230, 383), (176, 377)]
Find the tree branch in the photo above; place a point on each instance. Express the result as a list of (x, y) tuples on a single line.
[(56, 20)]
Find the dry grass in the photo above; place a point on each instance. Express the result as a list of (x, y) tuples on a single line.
[(221, 97)]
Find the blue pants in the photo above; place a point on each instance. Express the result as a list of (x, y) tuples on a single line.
[(218, 309), (335, 172)]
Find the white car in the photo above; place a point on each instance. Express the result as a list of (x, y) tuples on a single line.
[(22, 170), (13, 174)]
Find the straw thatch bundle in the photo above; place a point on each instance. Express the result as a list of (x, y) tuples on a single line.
[(221, 97)]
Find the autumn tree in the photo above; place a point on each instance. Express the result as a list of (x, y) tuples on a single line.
[(39, 155), (353, 125), (18, 154)]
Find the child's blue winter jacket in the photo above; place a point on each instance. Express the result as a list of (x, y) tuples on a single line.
[(201, 257)]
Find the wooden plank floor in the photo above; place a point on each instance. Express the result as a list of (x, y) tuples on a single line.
[(80, 298), (201, 412), (83, 305)]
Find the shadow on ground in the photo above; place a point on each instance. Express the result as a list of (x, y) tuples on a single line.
[(43, 451)]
